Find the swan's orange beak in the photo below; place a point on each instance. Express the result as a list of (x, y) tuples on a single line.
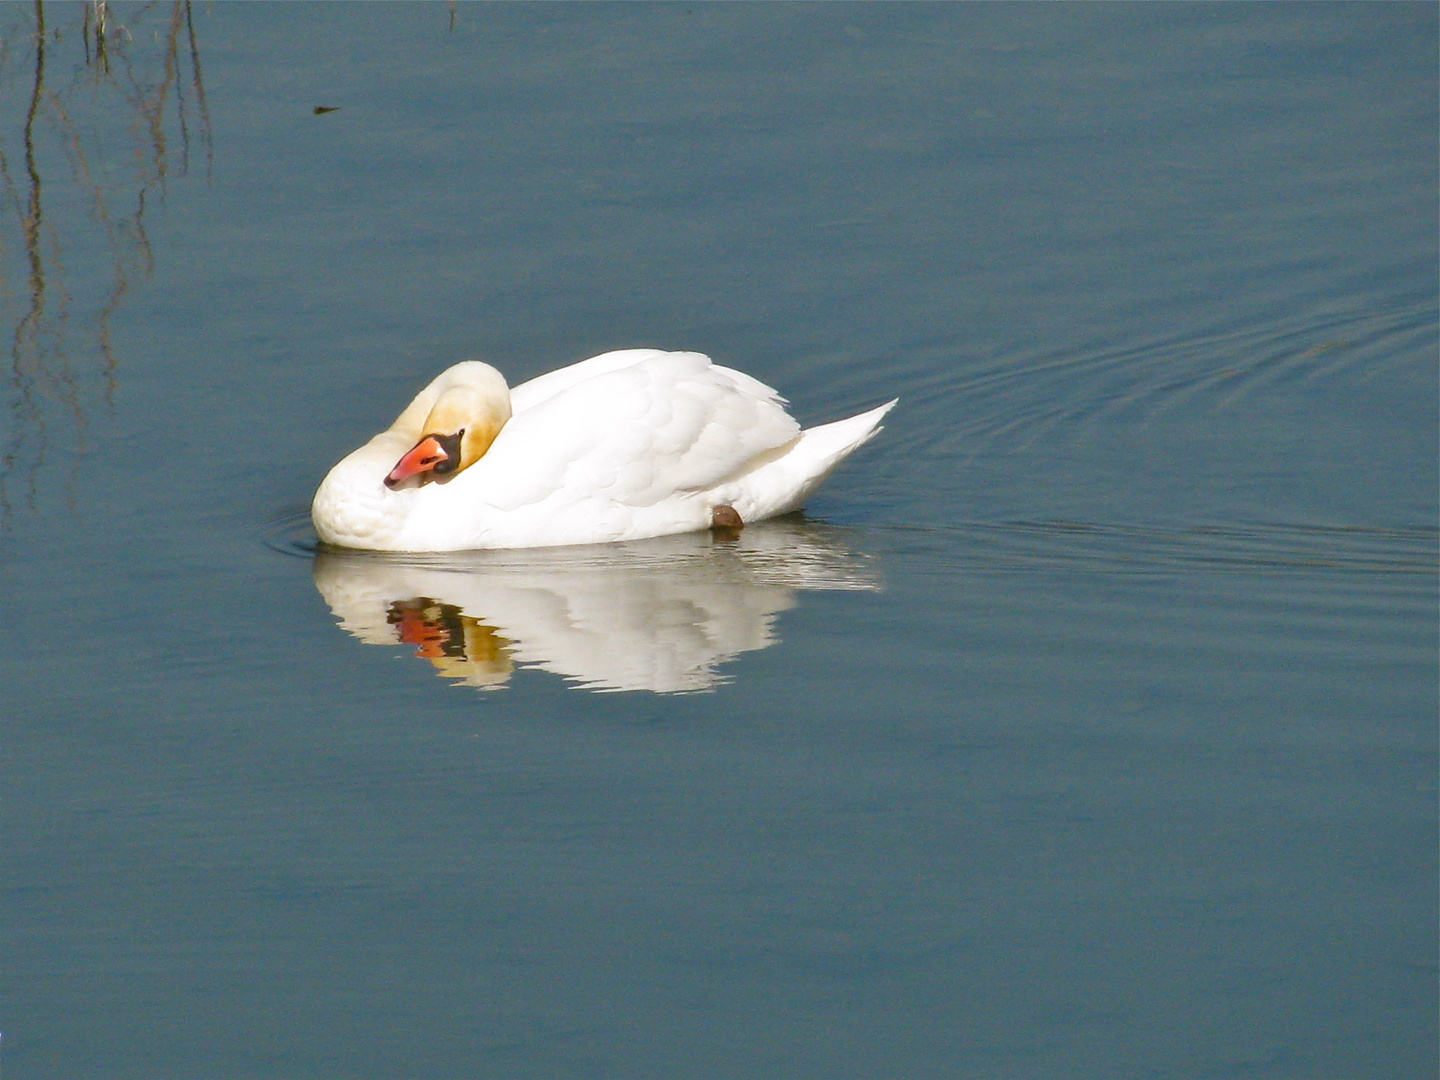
[(424, 457)]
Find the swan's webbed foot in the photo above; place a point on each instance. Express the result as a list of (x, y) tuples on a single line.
[(725, 522)]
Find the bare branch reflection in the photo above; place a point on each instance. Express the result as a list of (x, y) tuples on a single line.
[(110, 114)]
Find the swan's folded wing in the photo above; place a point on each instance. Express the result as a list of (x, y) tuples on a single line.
[(671, 424), (542, 388)]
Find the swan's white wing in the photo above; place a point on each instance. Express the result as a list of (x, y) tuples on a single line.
[(543, 387), (640, 431)]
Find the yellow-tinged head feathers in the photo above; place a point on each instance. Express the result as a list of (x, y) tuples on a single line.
[(454, 420)]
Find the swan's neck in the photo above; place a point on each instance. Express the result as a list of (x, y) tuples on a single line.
[(353, 508)]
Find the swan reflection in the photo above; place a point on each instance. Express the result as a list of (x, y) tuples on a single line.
[(659, 615)]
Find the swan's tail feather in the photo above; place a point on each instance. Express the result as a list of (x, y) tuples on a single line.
[(784, 484), (840, 439)]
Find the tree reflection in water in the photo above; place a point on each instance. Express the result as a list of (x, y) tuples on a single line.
[(108, 116)]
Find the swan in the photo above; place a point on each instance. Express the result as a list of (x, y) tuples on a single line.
[(623, 446)]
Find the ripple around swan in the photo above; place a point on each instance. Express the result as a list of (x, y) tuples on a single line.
[(1135, 549), (289, 532), (1067, 393)]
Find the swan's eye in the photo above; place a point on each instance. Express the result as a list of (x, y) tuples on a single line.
[(446, 463)]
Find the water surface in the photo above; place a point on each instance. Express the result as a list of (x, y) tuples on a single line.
[(1084, 726)]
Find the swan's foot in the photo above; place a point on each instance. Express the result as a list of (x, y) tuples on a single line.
[(725, 522)]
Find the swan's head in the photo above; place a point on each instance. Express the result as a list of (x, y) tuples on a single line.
[(457, 418)]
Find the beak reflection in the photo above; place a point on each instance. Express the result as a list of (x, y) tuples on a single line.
[(662, 615)]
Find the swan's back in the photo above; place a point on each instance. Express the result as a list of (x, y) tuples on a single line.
[(632, 428)]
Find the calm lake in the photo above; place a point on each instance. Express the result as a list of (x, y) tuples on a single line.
[(1085, 724)]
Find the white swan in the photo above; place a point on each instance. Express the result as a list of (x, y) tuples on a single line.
[(622, 446)]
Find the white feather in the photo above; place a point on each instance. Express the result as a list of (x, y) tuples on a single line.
[(623, 446)]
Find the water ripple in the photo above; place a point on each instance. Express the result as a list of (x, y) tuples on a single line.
[(290, 533), (1258, 547), (1015, 402)]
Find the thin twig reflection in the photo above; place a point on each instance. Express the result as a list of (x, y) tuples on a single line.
[(80, 201)]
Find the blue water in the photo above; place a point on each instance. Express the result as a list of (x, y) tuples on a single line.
[(1085, 725)]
